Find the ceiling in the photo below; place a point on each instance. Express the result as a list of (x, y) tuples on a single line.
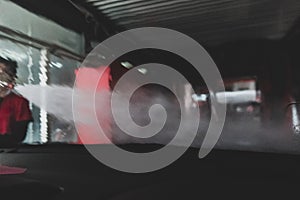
[(208, 21), (211, 22)]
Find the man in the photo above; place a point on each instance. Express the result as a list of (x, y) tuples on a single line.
[(14, 109)]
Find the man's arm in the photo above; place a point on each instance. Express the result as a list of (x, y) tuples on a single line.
[(19, 130), (23, 116), (16, 136)]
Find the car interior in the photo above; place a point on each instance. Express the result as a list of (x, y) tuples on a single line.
[(253, 43)]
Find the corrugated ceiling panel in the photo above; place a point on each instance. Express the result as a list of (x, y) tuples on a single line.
[(206, 20)]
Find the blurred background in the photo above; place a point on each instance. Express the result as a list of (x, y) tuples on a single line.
[(255, 44)]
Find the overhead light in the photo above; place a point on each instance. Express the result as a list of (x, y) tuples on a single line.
[(127, 64), (143, 70), (201, 97), (56, 64)]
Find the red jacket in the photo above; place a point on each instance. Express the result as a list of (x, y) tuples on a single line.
[(13, 108)]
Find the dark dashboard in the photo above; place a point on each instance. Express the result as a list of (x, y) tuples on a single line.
[(70, 172)]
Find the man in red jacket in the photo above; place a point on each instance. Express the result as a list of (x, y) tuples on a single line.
[(14, 109)]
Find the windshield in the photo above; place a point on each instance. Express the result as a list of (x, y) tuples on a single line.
[(256, 55)]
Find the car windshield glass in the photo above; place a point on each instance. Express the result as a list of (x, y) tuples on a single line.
[(71, 88)]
